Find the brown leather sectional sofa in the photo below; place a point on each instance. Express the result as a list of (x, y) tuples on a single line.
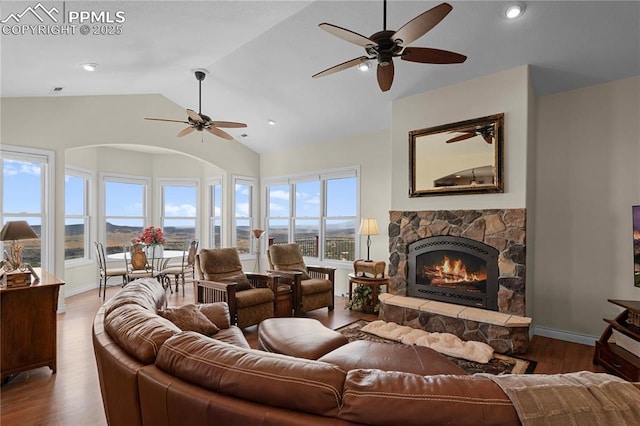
[(153, 373)]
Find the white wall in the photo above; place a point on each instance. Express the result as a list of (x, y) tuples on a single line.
[(504, 92), (588, 177)]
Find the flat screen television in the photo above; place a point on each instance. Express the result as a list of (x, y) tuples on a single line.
[(636, 246)]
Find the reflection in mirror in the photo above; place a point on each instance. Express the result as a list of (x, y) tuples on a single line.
[(463, 157)]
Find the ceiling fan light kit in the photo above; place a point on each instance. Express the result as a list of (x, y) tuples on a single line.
[(385, 45), (198, 121)]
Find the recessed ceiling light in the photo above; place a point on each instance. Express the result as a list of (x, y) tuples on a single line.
[(271, 123), (89, 67), (364, 66), (515, 10)]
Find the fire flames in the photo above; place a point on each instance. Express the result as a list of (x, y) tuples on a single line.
[(452, 272)]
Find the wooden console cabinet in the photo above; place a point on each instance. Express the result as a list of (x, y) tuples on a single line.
[(28, 331), (611, 356)]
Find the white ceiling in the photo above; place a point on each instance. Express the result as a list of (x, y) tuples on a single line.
[(261, 54)]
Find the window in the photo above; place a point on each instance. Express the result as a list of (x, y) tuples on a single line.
[(341, 195), (243, 214), (77, 185), (26, 181), (125, 206), (278, 212), (215, 213), (179, 213), (321, 216)]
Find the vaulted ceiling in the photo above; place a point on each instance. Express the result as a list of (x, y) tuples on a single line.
[(260, 56)]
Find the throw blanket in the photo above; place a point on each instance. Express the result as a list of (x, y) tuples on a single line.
[(584, 399), (446, 343)]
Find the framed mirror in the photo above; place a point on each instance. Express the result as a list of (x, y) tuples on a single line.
[(457, 158)]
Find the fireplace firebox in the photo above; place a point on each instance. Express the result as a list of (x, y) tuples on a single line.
[(454, 269)]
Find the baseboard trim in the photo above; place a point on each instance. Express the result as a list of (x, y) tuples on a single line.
[(583, 339), (77, 289)]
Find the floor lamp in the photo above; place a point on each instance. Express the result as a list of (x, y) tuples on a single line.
[(368, 227), (257, 233)]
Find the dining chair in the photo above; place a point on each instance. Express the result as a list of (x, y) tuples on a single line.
[(106, 272), (139, 265), (185, 268)]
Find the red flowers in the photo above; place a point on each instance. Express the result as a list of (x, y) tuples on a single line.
[(151, 235)]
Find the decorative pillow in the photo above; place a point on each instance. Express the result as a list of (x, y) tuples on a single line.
[(241, 280), (218, 313), (190, 318)]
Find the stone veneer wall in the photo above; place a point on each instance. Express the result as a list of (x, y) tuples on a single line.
[(503, 229)]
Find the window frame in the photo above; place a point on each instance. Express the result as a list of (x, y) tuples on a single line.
[(322, 177), (47, 159), (252, 183), (88, 177), (212, 183), (128, 179), (185, 182)]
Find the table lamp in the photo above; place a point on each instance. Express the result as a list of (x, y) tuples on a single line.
[(15, 231), (368, 227)]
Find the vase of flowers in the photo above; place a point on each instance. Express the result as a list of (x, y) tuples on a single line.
[(153, 238)]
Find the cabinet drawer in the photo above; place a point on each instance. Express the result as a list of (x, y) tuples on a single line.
[(609, 355)]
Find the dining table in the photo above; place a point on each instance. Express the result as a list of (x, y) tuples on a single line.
[(158, 263)]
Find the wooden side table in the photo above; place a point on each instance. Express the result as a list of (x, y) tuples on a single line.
[(28, 325), (374, 283)]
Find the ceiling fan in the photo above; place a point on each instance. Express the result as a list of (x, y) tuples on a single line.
[(387, 44), (485, 131), (198, 121)]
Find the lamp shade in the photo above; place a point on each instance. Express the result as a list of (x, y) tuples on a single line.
[(369, 226), (17, 230)]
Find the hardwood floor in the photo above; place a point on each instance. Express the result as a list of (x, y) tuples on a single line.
[(72, 395)]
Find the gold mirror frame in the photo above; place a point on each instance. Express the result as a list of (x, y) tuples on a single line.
[(472, 163)]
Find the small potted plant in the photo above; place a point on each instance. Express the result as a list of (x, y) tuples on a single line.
[(362, 299)]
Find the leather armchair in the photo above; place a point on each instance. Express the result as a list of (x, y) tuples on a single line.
[(219, 278), (313, 286)]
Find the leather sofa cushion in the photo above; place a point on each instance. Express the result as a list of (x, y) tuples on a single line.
[(390, 397), (218, 313), (145, 292), (234, 336), (391, 357), (299, 337), (271, 379), (139, 331)]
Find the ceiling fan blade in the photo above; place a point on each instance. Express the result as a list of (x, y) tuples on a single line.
[(164, 119), (186, 131), (385, 76), (228, 124), (488, 138), (219, 133), (421, 24), (462, 137), (340, 67), (427, 55), (194, 116), (347, 35)]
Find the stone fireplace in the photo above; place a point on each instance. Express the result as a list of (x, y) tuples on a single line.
[(501, 229), (461, 272)]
